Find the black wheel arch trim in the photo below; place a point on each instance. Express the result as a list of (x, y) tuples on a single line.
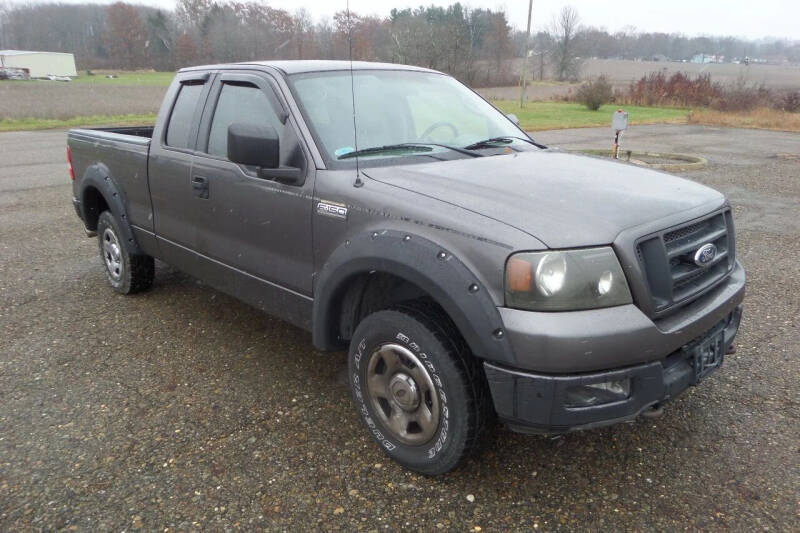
[(98, 176), (429, 266)]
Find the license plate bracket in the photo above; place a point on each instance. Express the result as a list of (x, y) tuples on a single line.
[(708, 355)]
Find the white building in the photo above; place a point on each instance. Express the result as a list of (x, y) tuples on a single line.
[(39, 64), (707, 58)]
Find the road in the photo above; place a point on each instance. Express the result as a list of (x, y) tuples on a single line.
[(183, 409)]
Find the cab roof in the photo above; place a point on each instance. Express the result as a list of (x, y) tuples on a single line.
[(305, 66)]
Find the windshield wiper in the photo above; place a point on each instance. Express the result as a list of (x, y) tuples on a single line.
[(407, 147), (506, 139), (404, 147)]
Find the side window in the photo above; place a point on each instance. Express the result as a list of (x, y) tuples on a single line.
[(240, 102), (180, 121)]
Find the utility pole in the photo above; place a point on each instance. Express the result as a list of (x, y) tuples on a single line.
[(525, 57)]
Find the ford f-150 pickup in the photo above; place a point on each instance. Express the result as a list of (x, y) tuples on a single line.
[(474, 274)]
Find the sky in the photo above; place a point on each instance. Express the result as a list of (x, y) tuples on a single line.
[(741, 18)]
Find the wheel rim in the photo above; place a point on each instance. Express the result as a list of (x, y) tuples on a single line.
[(112, 255), (402, 394)]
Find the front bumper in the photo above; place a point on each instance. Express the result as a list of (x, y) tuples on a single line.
[(613, 337), (537, 403)]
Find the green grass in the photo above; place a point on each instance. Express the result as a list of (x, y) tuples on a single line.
[(160, 79), (127, 78), (534, 116), (10, 124), (557, 115)]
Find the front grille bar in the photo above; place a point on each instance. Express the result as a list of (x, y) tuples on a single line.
[(694, 242), (667, 260)]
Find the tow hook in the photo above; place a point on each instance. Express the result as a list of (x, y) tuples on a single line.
[(654, 411)]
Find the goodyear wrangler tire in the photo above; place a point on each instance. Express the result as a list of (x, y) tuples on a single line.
[(417, 389)]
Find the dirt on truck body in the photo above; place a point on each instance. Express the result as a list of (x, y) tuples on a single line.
[(473, 274)]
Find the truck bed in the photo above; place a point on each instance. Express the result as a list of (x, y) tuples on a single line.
[(136, 131), (129, 134), (119, 155)]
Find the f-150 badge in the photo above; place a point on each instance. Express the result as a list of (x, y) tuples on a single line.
[(332, 209)]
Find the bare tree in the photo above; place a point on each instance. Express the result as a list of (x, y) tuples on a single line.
[(191, 12), (302, 34), (126, 35), (4, 11), (543, 45), (185, 50), (566, 64), (474, 44), (498, 42)]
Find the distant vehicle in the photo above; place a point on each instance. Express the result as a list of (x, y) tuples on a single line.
[(10, 73), (472, 272)]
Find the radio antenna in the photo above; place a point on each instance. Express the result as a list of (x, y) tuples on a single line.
[(358, 182)]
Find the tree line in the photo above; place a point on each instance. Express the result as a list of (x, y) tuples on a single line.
[(474, 44)]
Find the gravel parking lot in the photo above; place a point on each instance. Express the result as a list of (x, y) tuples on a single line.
[(183, 409)]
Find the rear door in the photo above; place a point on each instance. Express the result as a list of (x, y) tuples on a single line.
[(169, 167), (256, 227)]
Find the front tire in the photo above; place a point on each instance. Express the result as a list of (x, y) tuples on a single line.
[(127, 273), (418, 390)]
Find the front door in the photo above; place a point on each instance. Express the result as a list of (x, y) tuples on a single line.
[(251, 230)]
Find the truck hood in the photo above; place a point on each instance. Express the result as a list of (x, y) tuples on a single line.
[(562, 199)]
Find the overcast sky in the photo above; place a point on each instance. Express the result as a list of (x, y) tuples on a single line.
[(745, 18)]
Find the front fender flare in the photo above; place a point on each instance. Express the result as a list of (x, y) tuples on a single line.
[(429, 266)]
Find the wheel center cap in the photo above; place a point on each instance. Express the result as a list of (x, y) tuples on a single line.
[(404, 391)]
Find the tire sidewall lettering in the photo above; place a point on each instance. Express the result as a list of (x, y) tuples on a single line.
[(441, 437)]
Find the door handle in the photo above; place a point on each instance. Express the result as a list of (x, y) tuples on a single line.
[(200, 187)]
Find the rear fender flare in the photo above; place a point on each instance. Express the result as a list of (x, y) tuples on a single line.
[(99, 177), (431, 267)]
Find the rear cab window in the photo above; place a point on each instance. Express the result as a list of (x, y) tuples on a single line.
[(179, 127)]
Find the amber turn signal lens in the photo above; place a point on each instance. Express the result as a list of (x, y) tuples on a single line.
[(519, 275)]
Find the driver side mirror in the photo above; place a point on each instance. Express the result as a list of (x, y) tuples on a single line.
[(258, 146), (253, 145), (513, 118)]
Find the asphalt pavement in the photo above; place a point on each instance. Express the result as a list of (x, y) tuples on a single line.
[(183, 409)]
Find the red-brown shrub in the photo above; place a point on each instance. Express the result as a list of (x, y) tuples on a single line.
[(595, 93), (678, 90), (790, 102), (743, 97)]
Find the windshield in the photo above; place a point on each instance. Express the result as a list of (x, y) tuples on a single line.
[(395, 107)]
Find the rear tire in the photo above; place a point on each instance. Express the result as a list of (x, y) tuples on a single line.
[(418, 389), (127, 273)]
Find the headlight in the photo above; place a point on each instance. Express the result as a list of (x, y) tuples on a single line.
[(567, 280)]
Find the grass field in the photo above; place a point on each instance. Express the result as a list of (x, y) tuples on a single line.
[(762, 119), (161, 79), (621, 72), (50, 100), (134, 98), (534, 116), (14, 124), (556, 115)]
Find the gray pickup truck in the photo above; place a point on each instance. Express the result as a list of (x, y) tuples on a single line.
[(474, 274)]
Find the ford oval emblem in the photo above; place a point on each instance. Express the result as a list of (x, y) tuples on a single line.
[(705, 255)]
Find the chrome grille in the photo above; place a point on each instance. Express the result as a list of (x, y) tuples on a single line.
[(667, 260)]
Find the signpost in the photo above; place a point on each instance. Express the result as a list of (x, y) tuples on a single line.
[(619, 123), (525, 58)]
